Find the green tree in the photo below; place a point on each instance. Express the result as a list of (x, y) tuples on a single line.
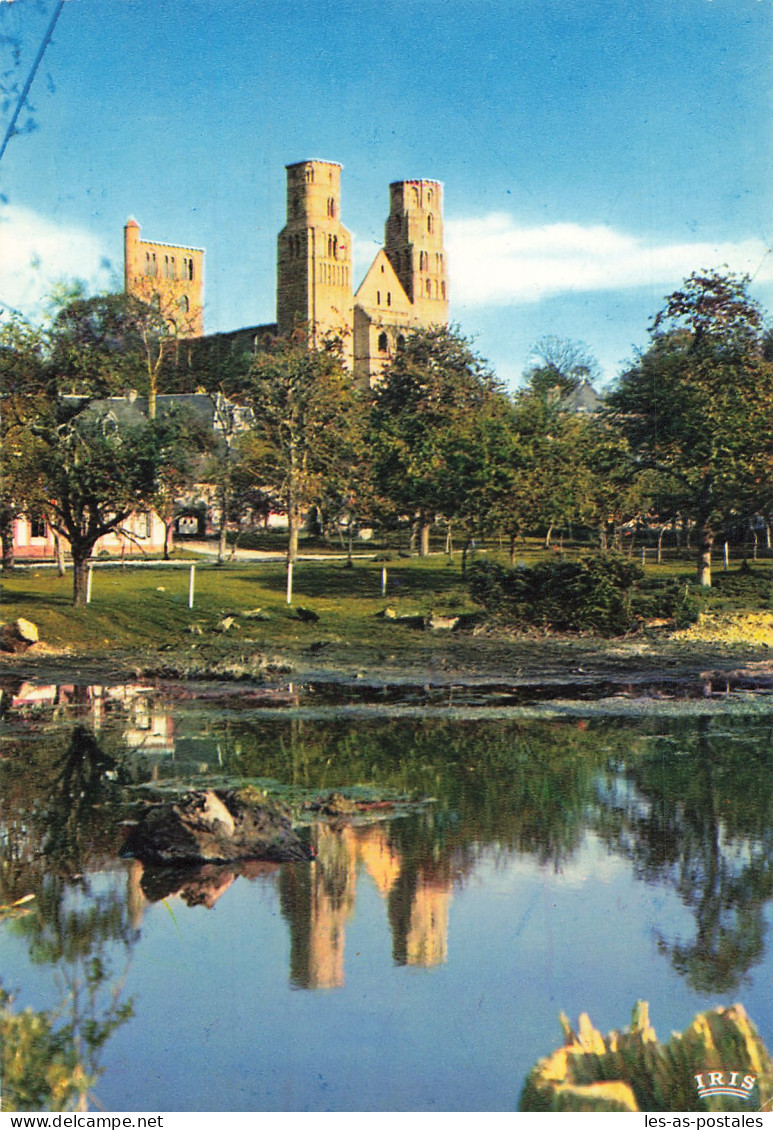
[(303, 402), (697, 405), (69, 452), (436, 416)]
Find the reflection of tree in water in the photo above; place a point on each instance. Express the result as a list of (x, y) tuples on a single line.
[(60, 817), (524, 786), (697, 812)]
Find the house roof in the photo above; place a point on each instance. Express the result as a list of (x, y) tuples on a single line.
[(583, 398)]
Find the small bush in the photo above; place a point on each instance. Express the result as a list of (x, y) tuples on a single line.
[(592, 594), (675, 600)]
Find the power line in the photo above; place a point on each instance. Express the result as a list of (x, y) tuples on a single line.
[(30, 78)]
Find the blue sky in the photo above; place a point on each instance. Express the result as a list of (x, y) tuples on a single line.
[(593, 153)]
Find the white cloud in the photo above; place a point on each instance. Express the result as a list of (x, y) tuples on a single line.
[(37, 253), (493, 262)]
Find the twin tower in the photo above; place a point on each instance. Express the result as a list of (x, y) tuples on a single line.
[(405, 288)]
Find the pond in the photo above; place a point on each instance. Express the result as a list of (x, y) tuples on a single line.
[(546, 852)]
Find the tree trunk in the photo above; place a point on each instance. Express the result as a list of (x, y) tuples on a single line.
[(424, 542), (80, 574), (6, 537), (511, 550), (59, 549), (705, 543), (449, 541), (168, 541), (467, 546), (293, 524), (661, 532), (548, 536), (222, 543)]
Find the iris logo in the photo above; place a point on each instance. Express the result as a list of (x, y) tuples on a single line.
[(710, 1083)]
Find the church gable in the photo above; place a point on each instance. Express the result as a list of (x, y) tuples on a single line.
[(381, 291)]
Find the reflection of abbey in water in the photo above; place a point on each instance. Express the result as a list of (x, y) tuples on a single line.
[(317, 902)]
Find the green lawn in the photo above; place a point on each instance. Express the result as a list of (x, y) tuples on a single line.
[(147, 608)]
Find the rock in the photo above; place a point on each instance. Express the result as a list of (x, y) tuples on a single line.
[(215, 826), (226, 624), (255, 614), (335, 804), (18, 636), (409, 619), (448, 623), (306, 615), (632, 1071)]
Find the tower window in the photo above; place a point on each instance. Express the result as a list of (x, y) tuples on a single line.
[(383, 343), (430, 223), (331, 207), (400, 341), (184, 303), (309, 174), (389, 298), (429, 289), (378, 297)]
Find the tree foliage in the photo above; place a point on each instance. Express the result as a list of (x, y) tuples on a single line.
[(697, 406), (304, 407), (439, 430)]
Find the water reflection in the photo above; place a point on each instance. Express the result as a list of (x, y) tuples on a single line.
[(686, 801)]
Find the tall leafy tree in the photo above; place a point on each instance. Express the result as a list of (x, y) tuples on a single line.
[(697, 406), (439, 426), (303, 405), (81, 460)]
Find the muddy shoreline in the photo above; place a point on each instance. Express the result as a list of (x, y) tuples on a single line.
[(459, 661)]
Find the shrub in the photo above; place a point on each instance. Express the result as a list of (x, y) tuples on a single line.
[(591, 594)]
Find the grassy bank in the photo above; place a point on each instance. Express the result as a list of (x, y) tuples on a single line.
[(141, 616)]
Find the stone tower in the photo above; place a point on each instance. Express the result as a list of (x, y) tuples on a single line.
[(314, 259), (167, 275), (413, 242)]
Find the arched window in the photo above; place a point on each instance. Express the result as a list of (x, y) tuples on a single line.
[(430, 223), (309, 174), (429, 195), (389, 298), (415, 196), (443, 289), (400, 341), (184, 303), (190, 270), (429, 288), (383, 343), (331, 207)]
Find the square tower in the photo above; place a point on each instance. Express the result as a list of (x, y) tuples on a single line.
[(166, 275), (413, 240), (314, 255)]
